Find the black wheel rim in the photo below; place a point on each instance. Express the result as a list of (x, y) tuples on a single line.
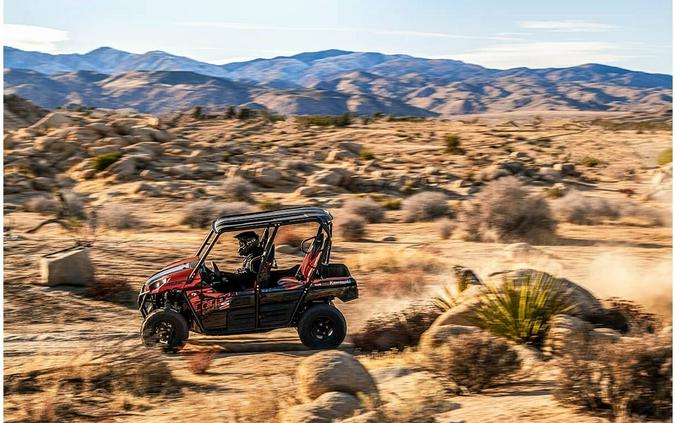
[(322, 328), (164, 333)]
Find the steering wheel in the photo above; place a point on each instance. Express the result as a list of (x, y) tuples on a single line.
[(216, 272)]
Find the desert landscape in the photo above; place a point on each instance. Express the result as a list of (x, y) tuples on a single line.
[(583, 195)]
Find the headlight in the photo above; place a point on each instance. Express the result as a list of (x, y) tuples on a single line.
[(157, 284)]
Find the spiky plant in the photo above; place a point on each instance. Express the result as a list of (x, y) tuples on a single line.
[(520, 308), (446, 298)]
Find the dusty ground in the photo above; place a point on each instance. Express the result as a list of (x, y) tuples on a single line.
[(623, 258)]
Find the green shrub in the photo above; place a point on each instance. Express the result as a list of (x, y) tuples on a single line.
[(555, 192), (104, 160), (520, 309), (590, 161), (452, 144), (665, 157), (198, 113), (318, 120), (367, 154)]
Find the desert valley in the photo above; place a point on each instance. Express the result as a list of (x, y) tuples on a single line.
[(562, 171)]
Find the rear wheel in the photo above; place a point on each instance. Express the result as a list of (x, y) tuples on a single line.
[(322, 327), (166, 330)]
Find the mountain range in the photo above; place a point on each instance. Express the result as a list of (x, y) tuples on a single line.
[(324, 82)]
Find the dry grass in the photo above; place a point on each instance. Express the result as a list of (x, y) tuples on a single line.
[(396, 330), (201, 214), (583, 210), (393, 260), (112, 289), (89, 383), (200, 362), (632, 377), (371, 211), (445, 227), (237, 188), (425, 206), (504, 211), (476, 361), (118, 216), (289, 236), (351, 227)]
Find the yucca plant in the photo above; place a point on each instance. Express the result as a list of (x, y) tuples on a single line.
[(521, 308), (446, 298)]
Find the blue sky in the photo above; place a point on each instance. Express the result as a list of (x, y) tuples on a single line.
[(500, 34)]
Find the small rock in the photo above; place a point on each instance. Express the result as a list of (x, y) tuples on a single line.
[(72, 267), (389, 238)]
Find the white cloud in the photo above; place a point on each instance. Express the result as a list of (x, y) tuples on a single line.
[(567, 26), (424, 34), (546, 54), (31, 37)]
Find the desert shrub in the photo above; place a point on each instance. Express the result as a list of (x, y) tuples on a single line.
[(665, 157), (445, 227), (289, 236), (42, 205), (631, 377), (555, 192), (270, 205), (366, 154), (425, 206), (201, 214), (392, 260), (582, 210), (351, 227), (245, 113), (452, 144), (113, 289), (402, 284), (628, 317), (237, 188), (446, 298), (392, 204), (317, 120), (590, 161), (200, 362), (395, 330), (504, 211), (371, 211), (103, 161), (118, 216), (476, 361), (521, 309), (92, 379), (198, 113)]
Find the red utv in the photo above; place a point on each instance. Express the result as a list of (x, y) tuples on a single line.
[(187, 295)]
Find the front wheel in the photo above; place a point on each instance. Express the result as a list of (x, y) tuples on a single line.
[(322, 327), (165, 329)]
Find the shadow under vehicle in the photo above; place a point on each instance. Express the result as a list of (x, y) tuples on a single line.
[(182, 296)]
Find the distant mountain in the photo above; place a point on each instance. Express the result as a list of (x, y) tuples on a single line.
[(325, 82)]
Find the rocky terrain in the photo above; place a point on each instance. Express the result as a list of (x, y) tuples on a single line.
[(588, 194), (330, 82)]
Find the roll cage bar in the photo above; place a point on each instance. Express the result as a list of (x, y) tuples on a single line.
[(268, 220)]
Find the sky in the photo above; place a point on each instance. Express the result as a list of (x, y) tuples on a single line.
[(497, 34)]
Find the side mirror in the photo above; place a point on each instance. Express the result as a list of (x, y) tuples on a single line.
[(304, 246)]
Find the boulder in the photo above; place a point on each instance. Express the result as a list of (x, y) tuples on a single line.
[(415, 395), (53, 120), (369, 417), (565, 169), (71, 267), (124, 169), (438, 335), (493, 172), (335, 176), (352, 147), (329, 371), (565, 333), (326, 408)]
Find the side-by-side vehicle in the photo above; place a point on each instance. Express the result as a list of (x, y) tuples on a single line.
[(188, 295)]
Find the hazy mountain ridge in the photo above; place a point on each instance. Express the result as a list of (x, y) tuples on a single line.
[(326, 82)]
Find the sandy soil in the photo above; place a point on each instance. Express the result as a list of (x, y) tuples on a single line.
[(622, 258)]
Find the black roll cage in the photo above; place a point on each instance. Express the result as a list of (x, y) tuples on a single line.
[(268, 220)]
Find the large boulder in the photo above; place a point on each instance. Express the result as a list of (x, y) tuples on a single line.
[(325, 409), (413, 396), (565, 334), (335, 176), (330, 371), (71, 267), (53, 120)]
